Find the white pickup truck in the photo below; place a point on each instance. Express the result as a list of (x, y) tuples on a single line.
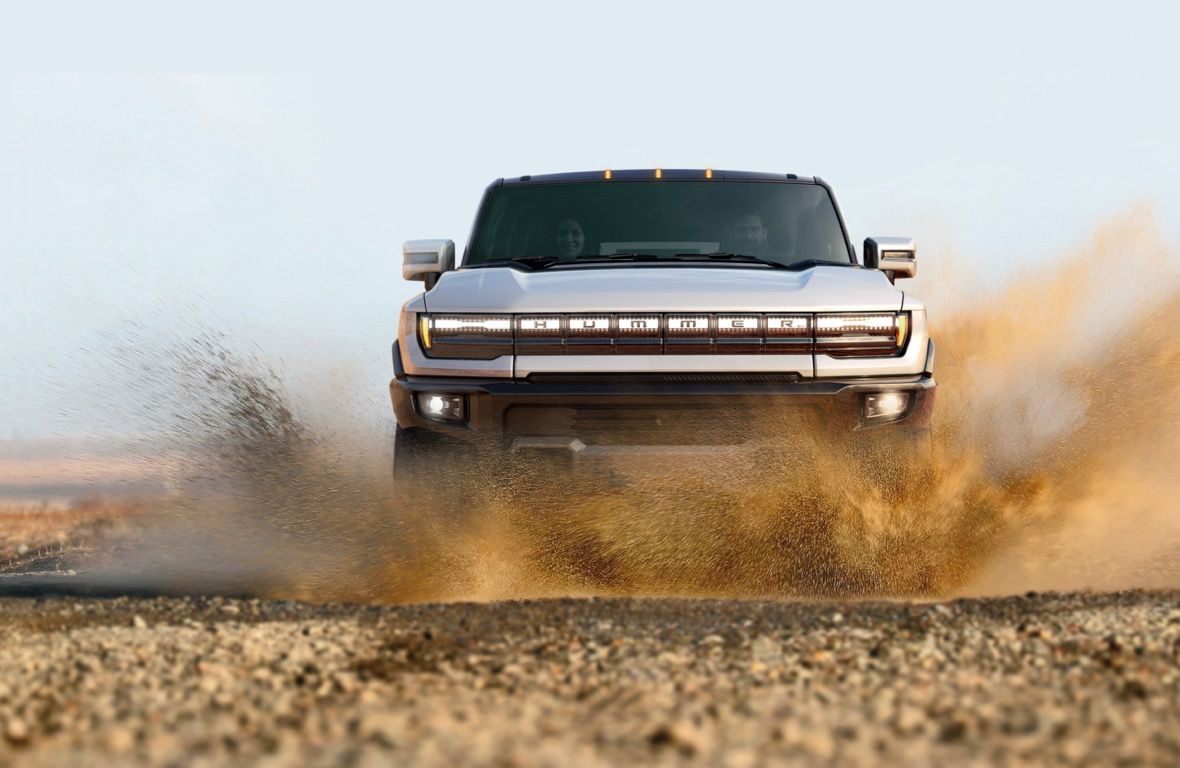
[(612, 314)]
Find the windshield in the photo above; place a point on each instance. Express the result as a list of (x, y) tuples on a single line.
[(780, 222)]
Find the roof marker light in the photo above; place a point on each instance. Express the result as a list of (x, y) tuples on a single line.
[(708, 173), (606, 174), (659, 173)]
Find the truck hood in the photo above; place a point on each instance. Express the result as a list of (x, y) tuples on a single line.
[(664, 288)]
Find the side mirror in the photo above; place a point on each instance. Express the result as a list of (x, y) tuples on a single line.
[(426, 260), (895, 256)]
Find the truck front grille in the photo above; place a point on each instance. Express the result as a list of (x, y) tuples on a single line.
[(485, 337)]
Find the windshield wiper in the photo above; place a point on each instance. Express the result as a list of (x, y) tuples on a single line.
[(618, 257), (809, 263), (747, 258), (724, 256), (714, 256), (529, 262)]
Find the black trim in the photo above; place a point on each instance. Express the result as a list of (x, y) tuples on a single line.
[(628, 379), (649, 384), (483, 202), (649, 174), (490, 399), (399, 370), (839, 218)]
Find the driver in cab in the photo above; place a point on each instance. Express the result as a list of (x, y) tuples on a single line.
[(748, 235)]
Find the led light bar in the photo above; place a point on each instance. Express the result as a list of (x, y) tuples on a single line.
[(788, 326), (590, 326), (476, 336), (639, 325), (788, 335), (538, 325), (861, 335), (686, 326), (739, 325), (448, 326)]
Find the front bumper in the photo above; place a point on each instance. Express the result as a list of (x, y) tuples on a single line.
[(623, 413)]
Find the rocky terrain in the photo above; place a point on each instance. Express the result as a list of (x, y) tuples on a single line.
[(1034, 679)]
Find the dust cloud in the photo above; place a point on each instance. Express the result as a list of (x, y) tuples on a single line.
[(1053, 466)]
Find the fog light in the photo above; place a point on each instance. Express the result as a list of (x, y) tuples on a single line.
[(440, 407), (886, 405)]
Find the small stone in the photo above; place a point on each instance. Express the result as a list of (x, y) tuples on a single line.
[(16, 731), (685, 737), (742, 758), (766, 650), (819, 743), (909, 719), (120, 739), (952, 731), (382, 727), (138, 622)]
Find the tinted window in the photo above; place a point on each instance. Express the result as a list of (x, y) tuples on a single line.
[(779, 221)]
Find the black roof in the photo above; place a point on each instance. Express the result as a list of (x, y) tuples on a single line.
[(649, 174)]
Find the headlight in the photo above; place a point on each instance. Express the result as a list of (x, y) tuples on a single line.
[(475, 337), (875, 335)]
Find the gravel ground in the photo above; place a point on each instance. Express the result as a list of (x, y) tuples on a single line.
[(1072, 679)]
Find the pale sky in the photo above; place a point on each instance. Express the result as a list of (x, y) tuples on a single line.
[(139, 206)]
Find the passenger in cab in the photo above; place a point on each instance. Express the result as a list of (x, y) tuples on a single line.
[(569, 239)]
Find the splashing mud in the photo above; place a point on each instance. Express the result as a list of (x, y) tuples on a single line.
[(1053, 466)]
